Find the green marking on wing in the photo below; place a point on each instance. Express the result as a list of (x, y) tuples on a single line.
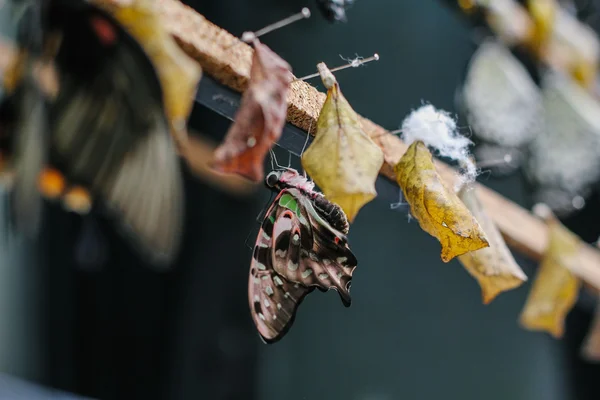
[(272, 219), (288, 201)]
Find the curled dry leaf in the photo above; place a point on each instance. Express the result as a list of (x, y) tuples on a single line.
[(179, 74), (555, 288), (343, 160), (439, 211), (260, 118), (493, 267)]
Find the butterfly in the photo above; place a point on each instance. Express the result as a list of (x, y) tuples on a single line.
[(334, 10), (301, 245), (107, 130)]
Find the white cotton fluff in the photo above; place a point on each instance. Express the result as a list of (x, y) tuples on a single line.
[(437, 129)]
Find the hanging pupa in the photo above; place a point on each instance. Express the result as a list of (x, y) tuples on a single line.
[(260, 118), (342, 159), (555, 288)]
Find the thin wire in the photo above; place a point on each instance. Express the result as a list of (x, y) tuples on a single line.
[(249, 36), (353, 64)]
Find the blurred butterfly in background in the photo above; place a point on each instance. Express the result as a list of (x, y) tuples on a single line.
[(301, 246), (564, 160), (104, 132), (502, 104)]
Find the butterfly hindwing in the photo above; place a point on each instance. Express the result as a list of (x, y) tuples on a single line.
[(273, 299)]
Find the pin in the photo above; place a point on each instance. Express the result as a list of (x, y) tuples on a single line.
[(248, 37), (507, 159), (357, 62)]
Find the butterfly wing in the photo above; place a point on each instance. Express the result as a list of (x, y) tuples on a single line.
[(297, 250), (325, 262), (110, 131), (273, 299)]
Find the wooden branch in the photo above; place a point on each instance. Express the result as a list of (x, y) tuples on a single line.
[(228, 60)]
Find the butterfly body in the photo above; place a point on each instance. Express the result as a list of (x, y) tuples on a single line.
[(302, 245)]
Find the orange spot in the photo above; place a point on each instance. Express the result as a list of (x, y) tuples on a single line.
[(51, 183), (78, 199), (104, 29)]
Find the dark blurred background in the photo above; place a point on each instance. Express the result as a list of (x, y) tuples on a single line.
[(416, 329)]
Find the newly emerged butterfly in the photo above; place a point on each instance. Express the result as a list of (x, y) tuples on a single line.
[(301, 246)]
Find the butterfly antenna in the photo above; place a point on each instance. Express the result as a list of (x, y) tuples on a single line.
[(274, 158), (250, 36), (289, 160)]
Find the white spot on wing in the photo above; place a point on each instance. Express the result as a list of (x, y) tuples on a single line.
[(261, 266), (277, 281), (261, 316), (296, 238), (269, 291), (279, 306), (342, 260), (313, 256), (307, 273), (256, 298), (266, 303), (280, 253), (326, 261), (323, 276), (291, 266), (264, 234)]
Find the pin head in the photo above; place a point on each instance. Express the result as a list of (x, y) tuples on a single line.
[(326, 75)]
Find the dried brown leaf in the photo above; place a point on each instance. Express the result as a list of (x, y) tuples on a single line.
[(260, 118)]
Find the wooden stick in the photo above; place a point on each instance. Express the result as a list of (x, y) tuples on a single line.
[(211, 47)]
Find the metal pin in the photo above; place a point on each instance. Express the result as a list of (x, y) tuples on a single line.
[(507, 159), (250, 36), (355, 63)]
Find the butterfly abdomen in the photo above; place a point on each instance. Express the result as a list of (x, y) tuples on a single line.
[(332, 213)]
